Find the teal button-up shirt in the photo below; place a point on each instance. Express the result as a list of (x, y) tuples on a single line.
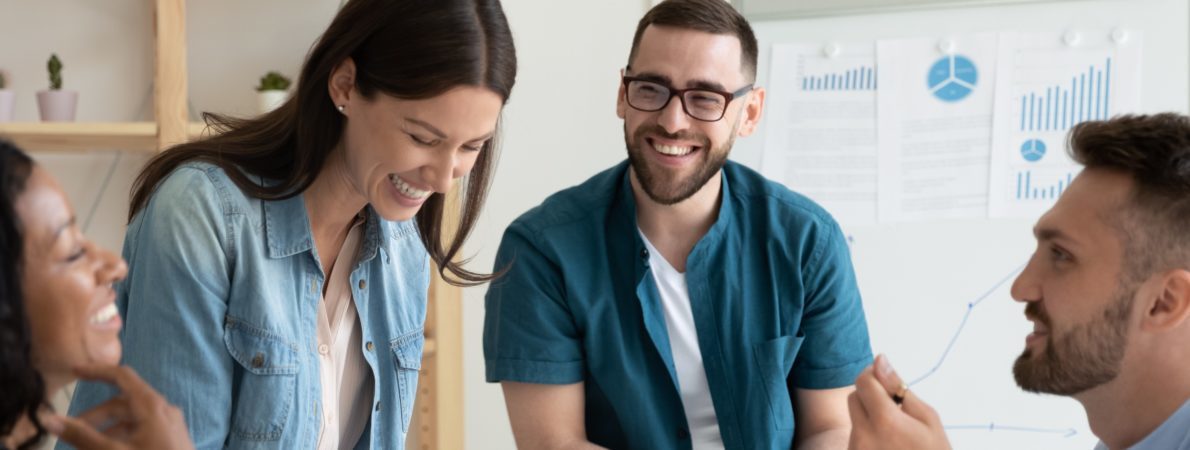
[(773, 294)]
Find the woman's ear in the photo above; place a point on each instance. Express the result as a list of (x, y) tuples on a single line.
[(342, 83)]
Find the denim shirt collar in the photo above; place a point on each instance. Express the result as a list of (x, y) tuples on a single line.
[(287, 229)]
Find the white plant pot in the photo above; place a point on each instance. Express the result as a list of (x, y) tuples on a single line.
[(57, 106), (6, 101), (270, 100)]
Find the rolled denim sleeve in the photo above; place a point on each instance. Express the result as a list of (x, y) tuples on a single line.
[(836, 346), (174, 303), (529, 333)]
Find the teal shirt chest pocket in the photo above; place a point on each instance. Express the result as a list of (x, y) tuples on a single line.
[(407, 352), (264, 383), (774, 359)]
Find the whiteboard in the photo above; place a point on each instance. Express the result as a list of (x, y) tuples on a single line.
[(936, 293)]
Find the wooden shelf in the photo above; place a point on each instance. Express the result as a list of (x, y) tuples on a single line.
[(85, 136), (71, 136)]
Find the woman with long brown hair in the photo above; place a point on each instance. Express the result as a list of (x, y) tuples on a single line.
[(279, 270)]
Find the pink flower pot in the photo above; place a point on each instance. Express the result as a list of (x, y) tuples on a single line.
[(57, 106), (6, 102)]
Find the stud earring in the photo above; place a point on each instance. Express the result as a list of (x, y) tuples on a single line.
[(341, 108)]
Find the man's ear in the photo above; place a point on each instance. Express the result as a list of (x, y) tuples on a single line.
[(753, 110), (621, 99), (1168, 305)]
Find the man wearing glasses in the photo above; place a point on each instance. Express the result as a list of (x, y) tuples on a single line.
[(678, 300)]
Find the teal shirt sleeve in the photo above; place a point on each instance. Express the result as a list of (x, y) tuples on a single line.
[(836, 346), (174, 303), (529, 333)]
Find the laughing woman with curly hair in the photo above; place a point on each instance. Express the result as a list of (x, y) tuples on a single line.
[(58, 323)]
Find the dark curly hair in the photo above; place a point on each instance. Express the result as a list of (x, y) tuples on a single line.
[(1155, 151), (24, 389)]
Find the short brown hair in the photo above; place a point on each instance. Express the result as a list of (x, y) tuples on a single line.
[(711, 16), (1155, 151)]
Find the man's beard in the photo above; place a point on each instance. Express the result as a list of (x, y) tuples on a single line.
[(667, 188), (1083, 358)]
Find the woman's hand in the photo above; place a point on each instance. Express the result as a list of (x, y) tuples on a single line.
[(138, 418)]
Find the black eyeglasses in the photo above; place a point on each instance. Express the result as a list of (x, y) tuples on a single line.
[(707, 105)]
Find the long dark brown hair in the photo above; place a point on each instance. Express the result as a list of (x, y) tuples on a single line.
[(409, 49)]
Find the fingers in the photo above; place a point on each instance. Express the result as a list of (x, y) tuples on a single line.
[(911, 404), (107, 413), (888, 377), (918, 409), (875, 399), (79, 434)]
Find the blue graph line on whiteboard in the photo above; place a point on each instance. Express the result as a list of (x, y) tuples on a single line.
[(1067, 432), (970, 306)]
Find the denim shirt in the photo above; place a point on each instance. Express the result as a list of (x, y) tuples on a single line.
[(774, 299), (220, 312)]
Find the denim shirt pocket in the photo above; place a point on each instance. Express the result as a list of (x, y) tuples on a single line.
[(266, 385), (774, 359), (407, 352)]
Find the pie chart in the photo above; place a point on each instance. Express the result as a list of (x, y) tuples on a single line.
[(1033, 150), (952, 78)]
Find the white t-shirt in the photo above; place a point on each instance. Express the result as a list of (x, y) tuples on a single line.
[(683, 345)]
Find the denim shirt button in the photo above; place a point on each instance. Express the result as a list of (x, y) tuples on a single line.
[(258, 360), (371, 347), (362, 284)]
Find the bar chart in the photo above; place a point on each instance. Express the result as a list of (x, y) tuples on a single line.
[(1058, 107), (861, 78), (1027, 190)]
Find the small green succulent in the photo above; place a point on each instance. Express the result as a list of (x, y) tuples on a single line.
[(273, 81)]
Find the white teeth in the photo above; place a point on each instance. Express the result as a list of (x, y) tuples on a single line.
[(105, 314), (407, 190), (673, 150)]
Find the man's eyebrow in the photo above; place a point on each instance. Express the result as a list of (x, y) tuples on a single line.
[(705, 84), (654, 77), (1052, 234)]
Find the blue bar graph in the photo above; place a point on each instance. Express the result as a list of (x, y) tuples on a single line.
[(1058, 107), (1027, 190), (858, 79)]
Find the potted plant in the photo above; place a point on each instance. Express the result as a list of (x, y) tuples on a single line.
[(273, 91), (6, 100), (55, 104)]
